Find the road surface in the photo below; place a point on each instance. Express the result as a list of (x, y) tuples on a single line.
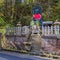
[(14, 56)]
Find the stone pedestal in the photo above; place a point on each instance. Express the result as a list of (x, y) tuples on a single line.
[(36, 42)]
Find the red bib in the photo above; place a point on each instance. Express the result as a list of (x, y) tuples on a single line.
[(37, 16)]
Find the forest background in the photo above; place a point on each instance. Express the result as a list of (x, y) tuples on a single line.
[(14, 11)]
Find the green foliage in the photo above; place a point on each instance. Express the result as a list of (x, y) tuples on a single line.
[(3, 31), (1, 1), (25, 20), (54, 11), (24, 14), (12, 14), (2, 22)]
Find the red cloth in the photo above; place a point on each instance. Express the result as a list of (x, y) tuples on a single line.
[(37, 16)]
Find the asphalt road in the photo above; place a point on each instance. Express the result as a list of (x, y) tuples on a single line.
[(12, 56)]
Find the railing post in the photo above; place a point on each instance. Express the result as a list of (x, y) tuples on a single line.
[(43, 30), (48, 30), (58, 29), (51, 29)]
